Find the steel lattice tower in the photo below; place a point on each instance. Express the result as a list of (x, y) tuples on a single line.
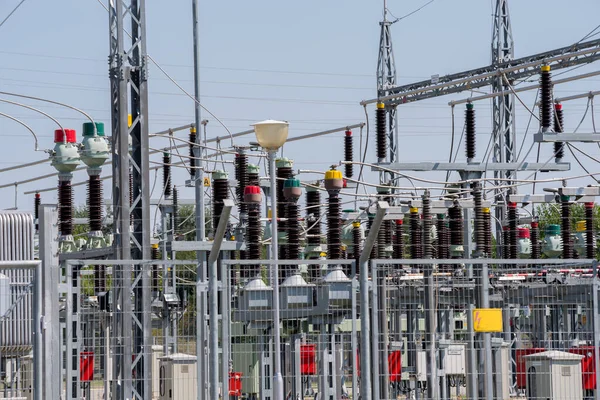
[(131, 334), (503, 124), (386, 79)]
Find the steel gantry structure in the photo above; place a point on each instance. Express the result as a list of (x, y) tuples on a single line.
[(386, 79), (128, 72)]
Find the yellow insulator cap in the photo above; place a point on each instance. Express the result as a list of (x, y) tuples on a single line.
[(580, 226), (356, 224), (129, 120), (155, 245), (545, 68), (333, 174), (193, 129), (414, 210), (322, 254), (380, 105), (485, 210), (232, 238), (270, 213), (344, 247)]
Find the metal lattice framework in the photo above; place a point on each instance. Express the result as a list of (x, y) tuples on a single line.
[(128, 81)]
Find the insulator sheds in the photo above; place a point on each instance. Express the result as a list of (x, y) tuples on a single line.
[(155, 255), (506, 242), (253, 178), (130, 196), (95, 203), (416, 248), (427, 225), (166, 174), (253, 235), (443, 243), (487, 232), (566, 227), (65, 207), (513, 221), (241, 175), (470, 132), (455, 222), (220, 193), (334, 234), (284, 172), (36, 210), (545, 98), (175, 215), (380, 131), (348, 154), (192, 141), (559, 147), (356, 244), (293, 235), (478, 223), (536, 246), (399, 240), (313, 213), (590, 250), (374, 249)]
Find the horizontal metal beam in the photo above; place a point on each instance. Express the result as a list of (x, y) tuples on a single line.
[(578, 96), (580, 191), (549, 137), (577, 54), (205, 246), (473, 167), (445, 204), (327, 132)]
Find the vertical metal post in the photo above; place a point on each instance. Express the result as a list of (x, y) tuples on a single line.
[(354, 338), (472, 391), (596, 314), (365, 334), (225, 315), (37, 319), (375, 366), (487, 337), (200, 224), (48, 254)]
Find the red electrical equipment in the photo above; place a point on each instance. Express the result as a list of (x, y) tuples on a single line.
[(521, 372), (395, 365), (588, 365), (86, 365), (308, 359), (235, 384)]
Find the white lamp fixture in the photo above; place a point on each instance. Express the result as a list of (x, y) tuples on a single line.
[(271, 134)]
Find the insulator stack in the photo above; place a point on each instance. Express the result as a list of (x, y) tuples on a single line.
[(334, 183), (65, 207), (36, 210), (380, 130), (356, 248), (506, 241), (470, 132), (155, 255), (381, 241), (293, 231), (99, 278), (95, 203), (536, 247), (427, 224), (166, 174), (374, 250), (253, 197), (399, 240), (455, 222), (219, 194), (443, 244), (590, 251), (192, 141), (130, 196), (559, 147), (545, 98), (349, 154), (416, 249), (313, 209), (487, 232), (513, 221), (566, 227), (253, 178), (241, 175), (284, 171), (175, 215), (478, 222)]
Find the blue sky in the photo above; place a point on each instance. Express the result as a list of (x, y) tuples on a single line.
[(307, 62)]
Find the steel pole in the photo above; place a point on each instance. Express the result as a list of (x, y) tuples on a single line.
[(200, 224), (278, 379)]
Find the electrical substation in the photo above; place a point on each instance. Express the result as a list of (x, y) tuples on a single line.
[(274, 282)]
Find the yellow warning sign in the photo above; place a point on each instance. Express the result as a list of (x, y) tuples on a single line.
[(206, 182), (487, 319)]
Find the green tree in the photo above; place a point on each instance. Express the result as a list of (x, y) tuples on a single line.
[(550, 213)]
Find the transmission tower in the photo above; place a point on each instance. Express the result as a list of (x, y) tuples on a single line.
[(128, 71), (503, 128), (386, 79)]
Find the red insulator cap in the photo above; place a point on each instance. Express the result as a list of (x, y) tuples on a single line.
[(512, 204), (345, 183), (59, 136), (589, 205), (252, 190), (535, 224), (348, 133), (38, 196), (505, 228), (524, 233), (399, 222), (558, 106)]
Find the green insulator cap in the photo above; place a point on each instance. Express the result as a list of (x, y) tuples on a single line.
[(383, 190), (349, 210), (253, 169), (291, 182), (284, 162), (88, 128), (166, 154), (219, 175), (553, 230), (441, 216), (469, 106), (564, 198)]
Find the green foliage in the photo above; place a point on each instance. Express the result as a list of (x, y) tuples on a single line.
[(550, 213)]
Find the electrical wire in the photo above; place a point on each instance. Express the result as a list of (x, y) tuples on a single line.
[(11, 13), (27, 127), (38, 111)]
